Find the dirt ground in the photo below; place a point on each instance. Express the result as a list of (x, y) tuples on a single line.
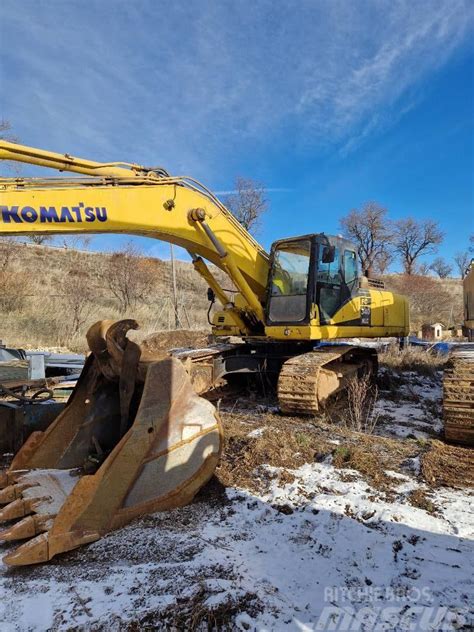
[(289, 442), (161, 342)]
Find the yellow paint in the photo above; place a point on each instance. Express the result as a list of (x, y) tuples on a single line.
[(389, 317)]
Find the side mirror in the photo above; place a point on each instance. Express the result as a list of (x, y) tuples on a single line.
[(329, 253), (211, 295)]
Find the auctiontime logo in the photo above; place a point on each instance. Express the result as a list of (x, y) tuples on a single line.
[(51, 214)]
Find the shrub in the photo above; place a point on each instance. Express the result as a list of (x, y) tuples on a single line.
[(415, 359), (360, 414), (14, 289)]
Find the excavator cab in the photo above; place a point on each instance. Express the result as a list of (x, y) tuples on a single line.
[(310, 270)]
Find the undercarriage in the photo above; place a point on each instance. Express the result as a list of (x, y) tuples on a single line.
[(305, 375)]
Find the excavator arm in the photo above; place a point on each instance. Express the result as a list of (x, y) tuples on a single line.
[(113, 198)]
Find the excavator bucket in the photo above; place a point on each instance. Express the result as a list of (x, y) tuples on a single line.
[(134, 438)]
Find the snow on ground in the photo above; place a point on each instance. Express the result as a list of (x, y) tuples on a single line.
[(287, 558), (323, 552), (413, 410)]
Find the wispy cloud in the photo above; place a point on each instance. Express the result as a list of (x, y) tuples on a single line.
[(193, 83), (267, 190)]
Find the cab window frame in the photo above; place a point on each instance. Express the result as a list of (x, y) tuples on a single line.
[(348, 251), (310, 281)]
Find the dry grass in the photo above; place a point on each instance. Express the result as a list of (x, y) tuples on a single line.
[(412, 359), (244, 455), (372, 458), (421, 499), (288, 443), (35, 311), (14, 288), (162, 342), (360, 412), (38, 312), (195, 614)]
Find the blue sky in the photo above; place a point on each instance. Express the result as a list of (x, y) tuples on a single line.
[(328, 103)]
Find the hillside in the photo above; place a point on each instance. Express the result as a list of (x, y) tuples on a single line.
[(431, 299), (51, 295), (45, 286)]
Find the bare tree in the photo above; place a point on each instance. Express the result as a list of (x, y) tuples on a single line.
[(383, 261), (39, 240), (5, 128), (462, 261), (412, 239), (130, 277), (369, 228), (78, 297), (248, 204), (430, 300), (441, 267), (423, 269), (76, 242), (7, 244), (8, 247)]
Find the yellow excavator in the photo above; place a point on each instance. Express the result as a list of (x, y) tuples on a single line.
[(136, 436)]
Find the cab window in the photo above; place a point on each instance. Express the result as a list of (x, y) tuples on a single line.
[(328, 272), (350, 266), (288, 295), (329, 281)]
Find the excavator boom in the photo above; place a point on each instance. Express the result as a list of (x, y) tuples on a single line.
[(137, 202)]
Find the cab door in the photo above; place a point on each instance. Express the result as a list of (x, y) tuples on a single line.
[(328, 281)]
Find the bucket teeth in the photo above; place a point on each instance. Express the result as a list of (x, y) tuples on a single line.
[(34, 551), (19, 508), (29, 527), (157, 442), (11, 477), (11, 493), (35, 501), (8, 495)]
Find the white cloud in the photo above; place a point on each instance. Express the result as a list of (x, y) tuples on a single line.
[(194, 83), (268, 190)]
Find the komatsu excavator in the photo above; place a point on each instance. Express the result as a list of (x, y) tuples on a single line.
[(136, 436)]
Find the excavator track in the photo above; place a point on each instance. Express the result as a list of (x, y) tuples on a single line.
[(458, 397), (306, 381)]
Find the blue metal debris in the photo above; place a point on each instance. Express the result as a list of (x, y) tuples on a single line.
[(17, 422)]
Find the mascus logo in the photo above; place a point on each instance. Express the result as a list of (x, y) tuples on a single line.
[(51, 214)]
